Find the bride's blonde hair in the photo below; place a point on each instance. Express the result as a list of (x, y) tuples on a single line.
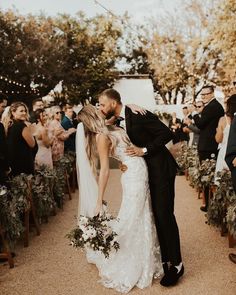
[(93, 125)]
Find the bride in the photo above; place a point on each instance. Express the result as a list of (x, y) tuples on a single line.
[(139, 258)]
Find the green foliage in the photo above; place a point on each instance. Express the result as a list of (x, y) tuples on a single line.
[(81, 52), (222, 199), (10, 216), (42, 191), (94, 233)]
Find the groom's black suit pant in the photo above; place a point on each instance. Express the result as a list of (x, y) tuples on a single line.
[(163, 208)]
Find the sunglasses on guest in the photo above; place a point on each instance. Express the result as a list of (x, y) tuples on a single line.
[(58, 113)]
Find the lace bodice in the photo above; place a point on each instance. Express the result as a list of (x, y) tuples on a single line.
[(122, 141)]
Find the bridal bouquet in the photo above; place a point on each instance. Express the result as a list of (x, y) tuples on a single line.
[(95, 233)]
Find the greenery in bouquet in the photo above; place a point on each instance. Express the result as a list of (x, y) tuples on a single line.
[(42, 188), (9, 216), (221, 199), (95, 233)]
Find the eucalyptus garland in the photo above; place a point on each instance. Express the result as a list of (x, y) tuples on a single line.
[(62, 166), (222, 206), (10, 216), (42, 190), (19, 191), (231, 219)]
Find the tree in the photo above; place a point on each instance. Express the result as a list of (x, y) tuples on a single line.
[(46, 50)]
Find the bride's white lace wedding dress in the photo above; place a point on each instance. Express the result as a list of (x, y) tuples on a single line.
[(139, 259)]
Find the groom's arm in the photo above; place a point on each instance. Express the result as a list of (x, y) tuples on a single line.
[(157, 130)]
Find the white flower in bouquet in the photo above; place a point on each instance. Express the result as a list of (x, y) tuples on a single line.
[(91, 232), (3, 191), (85, 236), (108, 232), (83, 220)]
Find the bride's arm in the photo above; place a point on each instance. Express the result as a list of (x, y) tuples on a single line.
[(103, 145)]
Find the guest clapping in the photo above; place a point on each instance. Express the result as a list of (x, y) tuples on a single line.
[(59, 133)]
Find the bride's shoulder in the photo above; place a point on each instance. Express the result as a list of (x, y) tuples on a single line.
[(102, 137)]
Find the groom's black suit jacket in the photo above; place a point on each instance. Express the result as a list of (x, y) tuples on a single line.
[(148, 131)]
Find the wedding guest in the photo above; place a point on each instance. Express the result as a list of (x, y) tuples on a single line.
[(230, 156), (67, 123), (222, 134), (207, 123), (184, 134), (59, 134), (191, 126), (36, 104), (21, 145), (3, 147), (175, 127), (44, 140)]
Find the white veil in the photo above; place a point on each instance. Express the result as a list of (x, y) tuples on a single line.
[(88, 188)]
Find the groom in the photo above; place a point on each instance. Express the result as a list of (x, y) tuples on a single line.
[(150, 135)]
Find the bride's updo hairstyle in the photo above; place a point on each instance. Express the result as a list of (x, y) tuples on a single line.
[(93, 125)]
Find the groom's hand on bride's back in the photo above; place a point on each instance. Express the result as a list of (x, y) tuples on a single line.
[(134, 151)]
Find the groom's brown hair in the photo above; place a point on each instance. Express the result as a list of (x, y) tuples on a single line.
[(112, 94)]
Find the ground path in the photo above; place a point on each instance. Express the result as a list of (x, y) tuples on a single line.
[(51, 267)]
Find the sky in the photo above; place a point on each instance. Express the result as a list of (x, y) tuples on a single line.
[(137, 9)]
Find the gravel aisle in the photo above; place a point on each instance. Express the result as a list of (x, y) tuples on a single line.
[(49, 266)]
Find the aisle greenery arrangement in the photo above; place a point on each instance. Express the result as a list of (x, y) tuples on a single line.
[(10, 215), (222, 205), (46, 188), (231, 219), (42, 189)]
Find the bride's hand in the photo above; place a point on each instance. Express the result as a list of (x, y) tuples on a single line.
[(137, 109), (98, 209)]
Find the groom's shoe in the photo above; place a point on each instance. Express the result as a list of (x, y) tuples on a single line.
[(172, 276), (165, 267)]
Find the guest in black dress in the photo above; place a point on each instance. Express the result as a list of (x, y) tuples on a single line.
[(21, 145)]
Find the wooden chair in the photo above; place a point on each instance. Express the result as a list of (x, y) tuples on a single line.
[(27, 216), (73, 178), (6, 250), (232, 241), (67, 186)]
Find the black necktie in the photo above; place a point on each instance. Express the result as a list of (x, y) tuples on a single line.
[(118, 120)]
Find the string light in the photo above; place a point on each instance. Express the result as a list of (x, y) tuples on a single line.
[(10, 81)]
